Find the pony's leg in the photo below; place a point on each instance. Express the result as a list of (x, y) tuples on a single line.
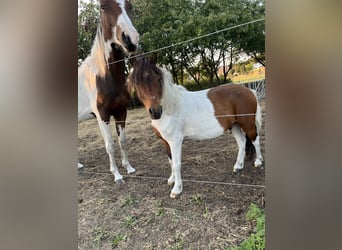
[(107, 136), (171, 179), (259, 159), (241, 141), (123, 149), (176, 152)]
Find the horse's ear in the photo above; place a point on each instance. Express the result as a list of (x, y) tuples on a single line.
[(154, 58)]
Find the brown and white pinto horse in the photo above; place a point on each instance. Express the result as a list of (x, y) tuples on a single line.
[(177, 113), (101, 83)]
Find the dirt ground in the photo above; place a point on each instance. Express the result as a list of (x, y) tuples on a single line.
[(139, 213)]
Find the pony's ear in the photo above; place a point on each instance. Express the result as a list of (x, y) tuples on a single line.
[(154, 58)]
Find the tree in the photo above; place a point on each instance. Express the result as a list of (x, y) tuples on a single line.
[(165, 22), (88, 19)]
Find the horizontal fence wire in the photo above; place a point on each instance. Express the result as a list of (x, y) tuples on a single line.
[(184, 180), (148, 120), (189, 40)]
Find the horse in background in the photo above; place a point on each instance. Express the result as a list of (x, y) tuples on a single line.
[(101, 79), (177, 113)]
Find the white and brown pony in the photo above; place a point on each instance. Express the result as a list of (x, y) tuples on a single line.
[(101, 82), (177, 113)]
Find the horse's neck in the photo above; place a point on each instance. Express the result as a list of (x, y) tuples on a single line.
[(116, 66)]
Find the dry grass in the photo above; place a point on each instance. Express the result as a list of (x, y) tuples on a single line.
[(140, 215)]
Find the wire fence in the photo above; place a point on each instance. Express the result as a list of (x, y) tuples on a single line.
[(258, 86), (156, 178), (191, 39)]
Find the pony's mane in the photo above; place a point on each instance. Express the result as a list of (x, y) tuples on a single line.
[(171, 92)]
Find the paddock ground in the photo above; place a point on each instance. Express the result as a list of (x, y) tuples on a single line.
[(139, 213)]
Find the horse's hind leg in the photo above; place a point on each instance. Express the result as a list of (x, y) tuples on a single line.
[(241, 141), (120, 129)]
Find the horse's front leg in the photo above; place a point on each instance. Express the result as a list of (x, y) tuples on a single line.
[(176, 153), (107, 136)]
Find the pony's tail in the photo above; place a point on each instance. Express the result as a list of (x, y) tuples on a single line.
[(250, 150), (258, 115)]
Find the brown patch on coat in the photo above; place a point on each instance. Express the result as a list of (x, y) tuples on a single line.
[(166, 144), (110, 10), (232, 99), (112, 93)]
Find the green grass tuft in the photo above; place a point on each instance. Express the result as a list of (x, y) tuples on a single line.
[(256, 241)]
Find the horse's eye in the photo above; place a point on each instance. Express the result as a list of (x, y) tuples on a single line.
[(103, 7)]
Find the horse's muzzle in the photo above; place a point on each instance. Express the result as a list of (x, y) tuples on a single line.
[(156, 112), (131, 47)]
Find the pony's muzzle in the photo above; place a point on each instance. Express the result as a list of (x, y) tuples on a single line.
[(131, 47), (156, 112)]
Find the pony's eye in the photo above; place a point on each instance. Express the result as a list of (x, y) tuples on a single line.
[(103, 7)]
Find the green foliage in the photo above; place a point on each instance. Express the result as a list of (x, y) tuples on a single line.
[(87, 25), (160, 210), (118, 238), (129, 201), (165, 22), (162, 23), (196, 199), (256, 241), (130, 221), (100, 235)]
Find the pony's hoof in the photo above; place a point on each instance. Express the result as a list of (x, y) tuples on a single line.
[(257, 163), (119, 182), (174, 195), (130, 170), (118, 179), (171, 181), (237, 170)]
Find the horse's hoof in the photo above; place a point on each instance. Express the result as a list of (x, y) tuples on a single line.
[(237, 170), (174, 195)]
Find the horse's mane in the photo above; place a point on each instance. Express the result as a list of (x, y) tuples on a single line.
[(171, 93), (97, 58)]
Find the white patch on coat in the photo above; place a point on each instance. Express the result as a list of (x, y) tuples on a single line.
[(193, 111)]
